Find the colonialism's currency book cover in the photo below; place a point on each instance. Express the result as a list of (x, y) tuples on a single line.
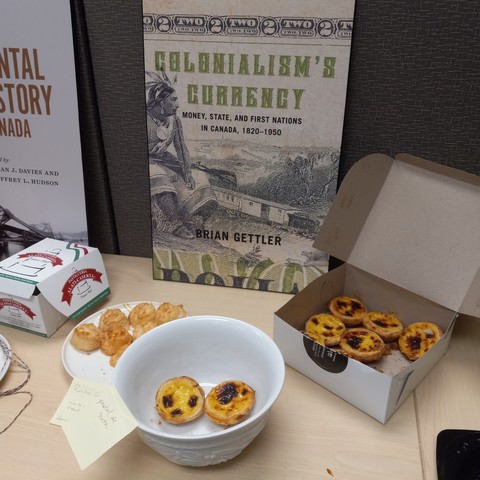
[(244, 108), (41, 173)]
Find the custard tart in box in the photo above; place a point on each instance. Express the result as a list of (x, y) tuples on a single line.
[(387, 325), (325, 328), (418, 338), (362, 344), (348, 309)]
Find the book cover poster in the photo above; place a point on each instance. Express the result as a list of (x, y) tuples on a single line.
[(244, 105), (41, 173)]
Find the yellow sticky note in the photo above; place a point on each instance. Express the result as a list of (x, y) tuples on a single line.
[(94, 418), (81, 394)]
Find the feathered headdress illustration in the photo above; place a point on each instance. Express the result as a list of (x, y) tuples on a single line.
[(157, 87)]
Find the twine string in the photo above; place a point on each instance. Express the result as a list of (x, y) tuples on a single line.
[(15, 360)]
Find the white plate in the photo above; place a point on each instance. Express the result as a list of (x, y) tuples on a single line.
[(5, 356), (93, 366)]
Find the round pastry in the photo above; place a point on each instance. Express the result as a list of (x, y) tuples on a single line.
[(166, 312), (349, 310), (141, 314), (112, 317), (139, 330), (112, 339), (86, 337), (418, 338), (180, 400), (116, 356), (325, 328), (229, 402), (387, 325), (362, 344)]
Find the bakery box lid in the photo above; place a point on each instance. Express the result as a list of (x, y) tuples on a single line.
[(24, 273), (412, 222)]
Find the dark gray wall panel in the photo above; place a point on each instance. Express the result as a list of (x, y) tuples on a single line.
[(412, 88)]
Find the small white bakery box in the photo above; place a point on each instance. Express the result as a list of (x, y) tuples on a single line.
[(408, 231), (49, 281)]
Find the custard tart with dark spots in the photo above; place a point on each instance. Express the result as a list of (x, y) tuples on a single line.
[(229, 402), (387, 325), (180, 400), (362, 344), (348, 309), (325, 328), (418, 338)]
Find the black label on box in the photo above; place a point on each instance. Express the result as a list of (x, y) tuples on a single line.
[(324, 357)]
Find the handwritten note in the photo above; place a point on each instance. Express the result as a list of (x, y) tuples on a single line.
[(94, 418)]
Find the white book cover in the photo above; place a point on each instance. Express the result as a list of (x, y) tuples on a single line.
[(245, 105), (41, 173)]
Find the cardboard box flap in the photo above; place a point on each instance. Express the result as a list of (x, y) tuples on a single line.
[(411, 222), (16, 287), (75, 289)]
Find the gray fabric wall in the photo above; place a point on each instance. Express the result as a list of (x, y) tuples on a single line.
[(412, 88)]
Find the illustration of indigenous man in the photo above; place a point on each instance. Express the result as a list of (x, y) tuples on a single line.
[(182, 198)]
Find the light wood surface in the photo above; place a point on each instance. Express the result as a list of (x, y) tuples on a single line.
[(311, 434), (449, 397)]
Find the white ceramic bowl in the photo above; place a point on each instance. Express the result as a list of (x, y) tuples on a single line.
[(209, 349)]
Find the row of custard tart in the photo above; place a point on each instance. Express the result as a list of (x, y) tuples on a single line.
[(181, 399), (364, 335)]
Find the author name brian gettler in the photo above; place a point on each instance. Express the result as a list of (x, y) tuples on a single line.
[(239, 237)]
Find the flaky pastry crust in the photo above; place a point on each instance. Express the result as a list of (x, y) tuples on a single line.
[(113, 317), (166, 312), (139, 330), (141, 314), (86, 337), (116, 356), (112, 339)]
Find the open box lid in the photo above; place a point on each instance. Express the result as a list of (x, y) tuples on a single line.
[(411, 222)]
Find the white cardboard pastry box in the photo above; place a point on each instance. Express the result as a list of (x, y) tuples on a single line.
[(49, 281), (408, 231)]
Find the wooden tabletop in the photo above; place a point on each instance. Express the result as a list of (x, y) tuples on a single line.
[(311, 434)]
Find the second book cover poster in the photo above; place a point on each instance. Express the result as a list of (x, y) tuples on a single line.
[(245, 105)]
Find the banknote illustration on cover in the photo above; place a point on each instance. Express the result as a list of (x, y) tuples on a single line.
[(244, 106)]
